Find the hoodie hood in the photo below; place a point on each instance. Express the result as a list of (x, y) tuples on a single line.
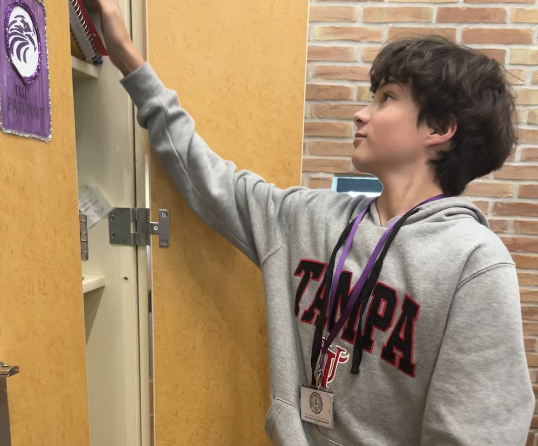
[(440, 211)]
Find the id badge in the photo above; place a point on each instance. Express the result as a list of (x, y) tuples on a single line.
[(317, 406)]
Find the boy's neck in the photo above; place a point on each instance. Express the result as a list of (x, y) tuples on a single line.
[(402, 194)]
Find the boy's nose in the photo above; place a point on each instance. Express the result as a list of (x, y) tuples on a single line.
[(362, 117)]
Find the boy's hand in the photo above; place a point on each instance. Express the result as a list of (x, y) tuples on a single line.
[(118, 42)]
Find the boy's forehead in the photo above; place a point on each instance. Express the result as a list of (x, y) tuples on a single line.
[(391, 82)]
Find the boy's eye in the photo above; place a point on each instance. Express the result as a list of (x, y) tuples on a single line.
[(387, 97)]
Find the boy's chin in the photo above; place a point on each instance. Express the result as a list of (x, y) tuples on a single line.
[(361, 164)]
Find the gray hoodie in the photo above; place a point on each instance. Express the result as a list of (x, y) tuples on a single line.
[(443, 361)]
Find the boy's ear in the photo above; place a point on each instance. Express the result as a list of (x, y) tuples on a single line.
[(442, 135)]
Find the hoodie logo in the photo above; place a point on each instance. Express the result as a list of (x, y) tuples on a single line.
[(333, 359), (389, 321)]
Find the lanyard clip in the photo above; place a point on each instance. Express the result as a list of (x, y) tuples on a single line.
[(320, 369)]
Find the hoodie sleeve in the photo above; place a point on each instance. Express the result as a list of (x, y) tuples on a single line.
[(480, 391), (241, 206)]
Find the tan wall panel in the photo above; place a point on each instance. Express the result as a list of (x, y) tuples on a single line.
[(41, 303), (239, 68)]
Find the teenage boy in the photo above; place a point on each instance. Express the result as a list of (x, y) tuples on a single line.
[(390, 322)]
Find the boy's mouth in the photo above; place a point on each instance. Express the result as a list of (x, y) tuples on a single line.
[(359, 135)]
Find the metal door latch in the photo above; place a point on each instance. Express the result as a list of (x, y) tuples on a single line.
[(5, 372), (132, 227)]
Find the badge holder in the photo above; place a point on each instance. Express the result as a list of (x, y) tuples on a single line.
[(317, 406)]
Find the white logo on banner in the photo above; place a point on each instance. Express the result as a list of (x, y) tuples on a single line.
[(22, 41)]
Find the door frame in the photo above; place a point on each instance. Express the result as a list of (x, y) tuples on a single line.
[(138, 30)]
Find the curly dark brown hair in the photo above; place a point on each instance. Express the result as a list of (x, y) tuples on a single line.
[(448, 82)]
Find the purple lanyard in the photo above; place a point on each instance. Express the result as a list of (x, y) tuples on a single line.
[(362, 280)]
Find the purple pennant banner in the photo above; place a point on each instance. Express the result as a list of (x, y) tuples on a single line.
[(24, 70)]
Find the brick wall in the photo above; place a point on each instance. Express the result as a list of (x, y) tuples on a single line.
[(344, 38)]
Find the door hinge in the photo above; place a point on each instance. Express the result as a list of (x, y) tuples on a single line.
[(84, 251), (132, 227)]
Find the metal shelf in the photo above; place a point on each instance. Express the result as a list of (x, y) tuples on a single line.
[(83, 70), (91, 283)]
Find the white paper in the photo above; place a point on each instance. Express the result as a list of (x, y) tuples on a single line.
[(92, 203)]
